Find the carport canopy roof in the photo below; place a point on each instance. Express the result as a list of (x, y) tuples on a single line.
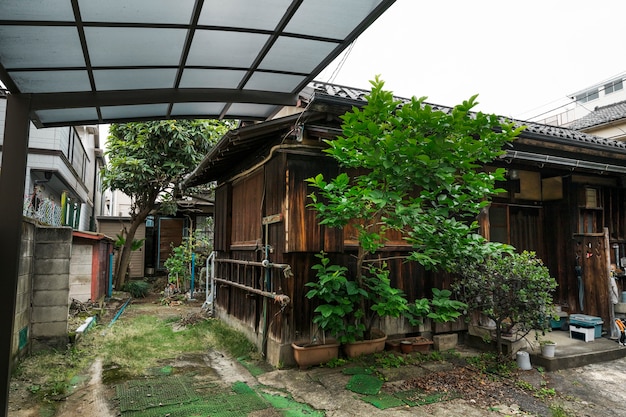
[(95, 61)]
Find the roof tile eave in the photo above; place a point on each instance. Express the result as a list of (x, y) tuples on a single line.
[(549, 131)]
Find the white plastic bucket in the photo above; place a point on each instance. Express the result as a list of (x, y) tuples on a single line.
[(523, 361)]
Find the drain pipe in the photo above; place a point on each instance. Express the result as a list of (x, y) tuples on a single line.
[(120, 311), (117, 315)]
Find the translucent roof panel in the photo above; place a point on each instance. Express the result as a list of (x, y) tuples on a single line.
[(142, 11), (137, 111), (273, 82), (259, 111), (71, 115), (296, 54), (207, 48), (211, 78), (40, 47), (50, 10), (197, 109), (330, 18), (128, 79), (51, 81), (264, 15), (96, 61), (131, 47)]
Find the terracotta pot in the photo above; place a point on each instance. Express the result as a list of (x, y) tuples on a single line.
[(406, 346), (392, 345), (310, 354), (414, 344), (422, 346), (366, 347)]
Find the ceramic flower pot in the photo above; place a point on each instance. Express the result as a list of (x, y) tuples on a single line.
[(406, 346), (310, 354), (548, 350), (366, 347)]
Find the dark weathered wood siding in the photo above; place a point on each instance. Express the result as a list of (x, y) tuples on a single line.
[(170, 236), (554, 226)]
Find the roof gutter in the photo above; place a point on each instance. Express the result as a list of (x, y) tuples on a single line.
[(559, 161)]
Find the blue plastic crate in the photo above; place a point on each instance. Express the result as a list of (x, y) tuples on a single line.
[(584, 320)]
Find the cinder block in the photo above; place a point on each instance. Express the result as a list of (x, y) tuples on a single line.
[(51, 282), (53, 234), (50, 298), (45, 330), (52, 266), (50, 314), (443, 342)]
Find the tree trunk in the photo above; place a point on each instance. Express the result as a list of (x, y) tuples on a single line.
[(499, 337), (120, 277)]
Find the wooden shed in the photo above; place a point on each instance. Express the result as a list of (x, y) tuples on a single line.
[(89, 265), (565, 200), (113, 226)]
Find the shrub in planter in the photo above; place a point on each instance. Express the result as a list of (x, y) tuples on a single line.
[(512, 289), (440, 309), (346, 310)]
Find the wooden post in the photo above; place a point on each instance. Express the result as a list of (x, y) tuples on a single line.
[(13, 175)]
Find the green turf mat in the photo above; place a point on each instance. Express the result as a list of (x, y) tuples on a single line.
[(242, 388), (364, 384), (289, 407), (384, 401), (251, 366), (357, 370), (240, 400), (154, 392)]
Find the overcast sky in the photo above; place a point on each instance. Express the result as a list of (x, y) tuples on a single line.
[(521, 57)]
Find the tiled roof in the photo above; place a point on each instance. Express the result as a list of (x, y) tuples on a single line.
[(601, 115), (338, 91)]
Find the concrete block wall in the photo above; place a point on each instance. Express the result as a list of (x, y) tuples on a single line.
[(51, 286)]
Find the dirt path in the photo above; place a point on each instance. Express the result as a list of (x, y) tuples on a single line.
[(91, 399)]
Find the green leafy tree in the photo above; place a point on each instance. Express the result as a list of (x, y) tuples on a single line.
[(146, 160), (415, 169), (512, 289)]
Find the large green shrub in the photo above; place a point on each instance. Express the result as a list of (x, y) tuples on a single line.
[(418, 171), (512, 289)]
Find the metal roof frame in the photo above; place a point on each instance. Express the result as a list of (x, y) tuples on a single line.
[(79, 60)]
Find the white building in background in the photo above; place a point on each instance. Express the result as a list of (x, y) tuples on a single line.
[(586, 101), (63, 167), (116, 203)]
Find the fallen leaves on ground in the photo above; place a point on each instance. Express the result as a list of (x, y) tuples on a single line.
[(469, 384)]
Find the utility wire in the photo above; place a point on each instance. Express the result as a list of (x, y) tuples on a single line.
[(339, 66), (601, 83)]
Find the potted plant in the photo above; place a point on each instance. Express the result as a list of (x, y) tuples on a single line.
[(440, 309), (348, 311), (548, 348), (315, 352), (512, 289)]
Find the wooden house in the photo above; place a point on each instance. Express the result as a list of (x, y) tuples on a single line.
[(565, 200)]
